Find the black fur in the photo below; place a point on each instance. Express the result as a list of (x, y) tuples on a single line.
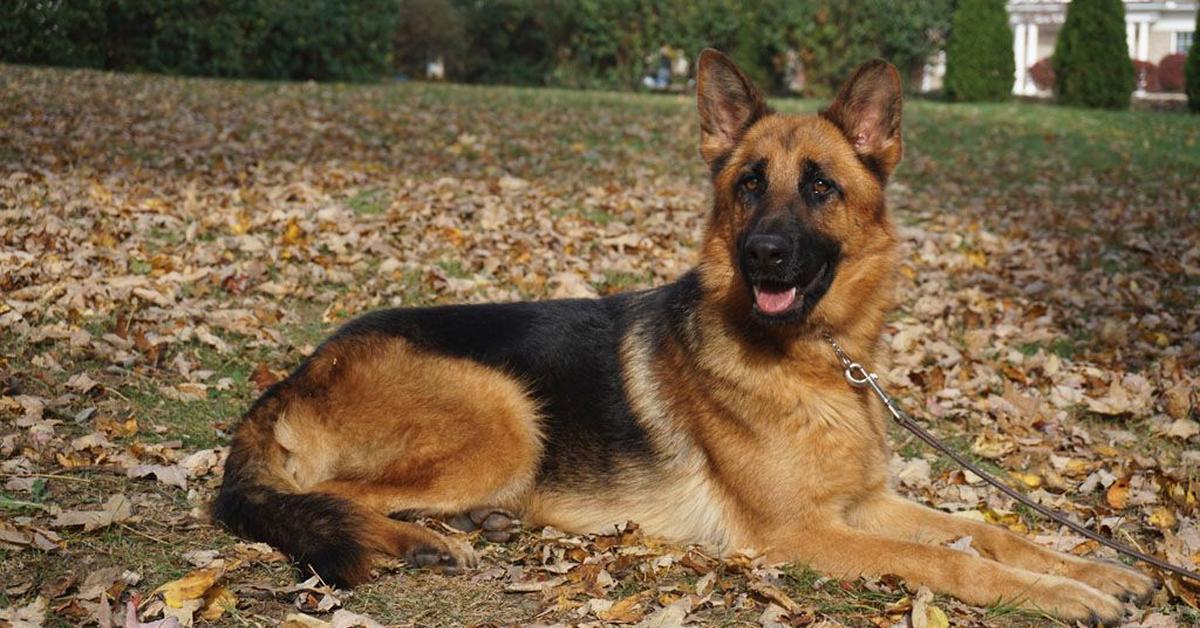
[(566, 351), (314, 529)]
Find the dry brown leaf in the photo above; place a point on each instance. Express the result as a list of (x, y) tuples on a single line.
[(31, 615), (172, 475), (117, 509), (774, 594)]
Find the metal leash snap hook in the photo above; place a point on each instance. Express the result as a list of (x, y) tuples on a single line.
[(857, 375)]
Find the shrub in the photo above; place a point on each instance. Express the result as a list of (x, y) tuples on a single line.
[(507, 41), (425, 31), (1170, 72), (53, 33), (1091, 59), (278, 39), (1042, 73), (576, 43), (1192, 73), (979, 58), (1146, 74), (345, 40)]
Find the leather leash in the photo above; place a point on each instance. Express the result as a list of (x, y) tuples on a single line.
[(858, 376)]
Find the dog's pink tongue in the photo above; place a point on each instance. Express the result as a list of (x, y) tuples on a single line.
[(773, 302)]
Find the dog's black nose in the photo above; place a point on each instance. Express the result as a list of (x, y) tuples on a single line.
[(766, 251)]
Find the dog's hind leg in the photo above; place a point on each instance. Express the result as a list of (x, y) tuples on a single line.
[(371, 426), (417, 545)]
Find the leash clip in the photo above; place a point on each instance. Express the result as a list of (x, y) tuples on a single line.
[(857, 375)]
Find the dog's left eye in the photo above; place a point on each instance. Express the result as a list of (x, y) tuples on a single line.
[(821, 187), (751, 184)]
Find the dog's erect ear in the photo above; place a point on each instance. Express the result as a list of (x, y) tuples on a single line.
[(729, 104), (867, 110)]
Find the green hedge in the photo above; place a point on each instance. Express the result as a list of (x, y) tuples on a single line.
[(605, 43), (979, 57), (573, 43), (278, 39), (1091, 58)]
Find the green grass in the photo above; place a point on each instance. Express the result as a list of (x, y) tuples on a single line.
[(369, 202)]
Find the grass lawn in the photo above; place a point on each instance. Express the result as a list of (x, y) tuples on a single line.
[(168, 247)]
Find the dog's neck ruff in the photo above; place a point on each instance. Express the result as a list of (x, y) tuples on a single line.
[(859, 377)]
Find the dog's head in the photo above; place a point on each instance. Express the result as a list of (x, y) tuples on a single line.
[(799, 237)]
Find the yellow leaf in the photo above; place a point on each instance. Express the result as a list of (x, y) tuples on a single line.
[(1032, 480), (978, 259), (1076, 468), (936, 617), (1162, 518), (190, 587), (293, 234), (216, 601)]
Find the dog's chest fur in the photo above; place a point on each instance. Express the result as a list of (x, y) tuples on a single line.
[(743, 457)]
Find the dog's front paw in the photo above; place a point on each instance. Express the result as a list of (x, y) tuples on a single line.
[(1117, 580), (1071, 600)]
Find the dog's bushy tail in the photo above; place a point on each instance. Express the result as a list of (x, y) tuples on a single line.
[(333, 536)]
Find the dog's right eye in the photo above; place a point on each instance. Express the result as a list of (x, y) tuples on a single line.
[(751, 183)]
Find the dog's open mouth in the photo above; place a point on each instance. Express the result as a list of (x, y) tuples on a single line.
[(776, 299), (770, 300)]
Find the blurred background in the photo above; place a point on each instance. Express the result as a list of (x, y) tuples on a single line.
[(964, 49)]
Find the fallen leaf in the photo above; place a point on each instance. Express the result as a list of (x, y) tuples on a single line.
[(217, 601), (1117, 495), (774, 594), (298, 620), (32, 615), (670, 616), (1184, 429), (343, 618), (192, 586), (172, 475), (926, 615), (81, 383), (132, 621), (117, 509)]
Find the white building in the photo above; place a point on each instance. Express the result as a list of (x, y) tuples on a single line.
[(1153, 30)]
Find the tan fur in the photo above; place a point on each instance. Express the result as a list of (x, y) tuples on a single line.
[(424, 432)]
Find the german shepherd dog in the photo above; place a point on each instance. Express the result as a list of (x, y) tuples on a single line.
[(709, 410)]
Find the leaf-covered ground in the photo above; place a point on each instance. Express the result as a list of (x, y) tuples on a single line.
[(168, 247)]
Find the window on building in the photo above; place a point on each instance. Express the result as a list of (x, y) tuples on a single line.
[(1183, 41)]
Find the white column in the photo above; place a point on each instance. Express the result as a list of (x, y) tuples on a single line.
[(1031, 47), (1131, 38), (1143, 41), (1019, 57)]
